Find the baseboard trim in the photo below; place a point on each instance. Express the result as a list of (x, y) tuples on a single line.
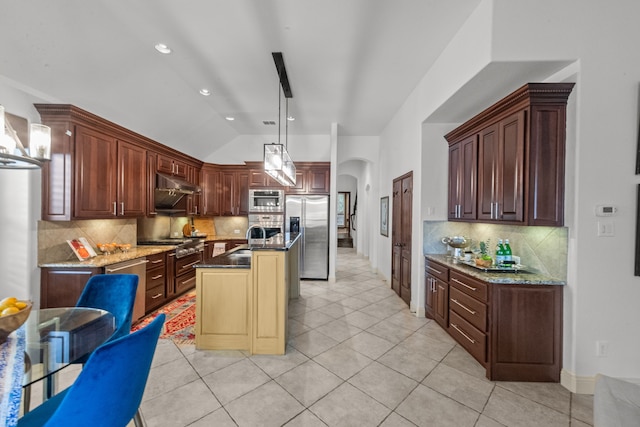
[(576, 384)]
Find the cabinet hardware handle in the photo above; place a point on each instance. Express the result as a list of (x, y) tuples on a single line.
[(157, 261), (491, 209), (463, 306), (172, 254), (156, 296), (187, 281), (189, 265), (454, 326), (122, 208), (115, 213), (437, 271), (111, 270), (156, 277), (497, 210), (465, 285)]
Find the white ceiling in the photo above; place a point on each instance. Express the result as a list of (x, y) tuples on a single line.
[(352, 62)]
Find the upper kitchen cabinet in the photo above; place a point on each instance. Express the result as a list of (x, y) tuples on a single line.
[(258, 178), (234, 186), (311, 178), (463, 157), (98, 169), (194, 201), (172, 166), (210, 181), (519, 166)]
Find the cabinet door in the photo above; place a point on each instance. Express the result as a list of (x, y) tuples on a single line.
[(151, 183), (194, 201), (430, 296), (56, 175), (301, 183), (132, 174), (463, 158), (210, 191), (226, 195), (95, 175), (62, 287), (511, 184), (441, 306), (242, 192), (318, 180), (172, 166), (488, 172)]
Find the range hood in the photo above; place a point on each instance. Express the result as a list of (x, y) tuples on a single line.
[(169, 191)]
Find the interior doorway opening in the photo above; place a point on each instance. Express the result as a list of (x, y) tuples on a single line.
[(343, 219)]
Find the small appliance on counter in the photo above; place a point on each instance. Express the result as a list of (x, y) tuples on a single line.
[(457, 245)]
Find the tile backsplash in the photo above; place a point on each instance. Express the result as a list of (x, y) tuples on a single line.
[(53, 236), (541, 249)]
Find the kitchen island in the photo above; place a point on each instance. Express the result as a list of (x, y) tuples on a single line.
[(242, 297)]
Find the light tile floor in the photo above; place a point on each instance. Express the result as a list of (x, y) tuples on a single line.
[(356, 356)]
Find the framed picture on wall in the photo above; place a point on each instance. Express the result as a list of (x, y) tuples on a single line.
[(384, 216)]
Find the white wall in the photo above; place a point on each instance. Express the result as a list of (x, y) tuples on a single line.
[(20, 210), (301, 148)]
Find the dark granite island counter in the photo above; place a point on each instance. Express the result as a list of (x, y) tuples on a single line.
[(242, 297)]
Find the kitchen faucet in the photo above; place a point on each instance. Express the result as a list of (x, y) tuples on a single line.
[(264, 234)]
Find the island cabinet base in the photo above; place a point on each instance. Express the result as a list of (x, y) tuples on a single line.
[(224, 299), (271, 291)]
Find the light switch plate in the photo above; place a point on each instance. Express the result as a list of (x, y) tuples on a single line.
[(606, 229)]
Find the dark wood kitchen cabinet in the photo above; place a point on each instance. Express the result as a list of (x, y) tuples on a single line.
[(437, 292), (311, 178), (98, 169), (258, 178), (463, 158), (110, 176), (156, 281), (234, 185), (513, 329), (172, 166), (194, 201), (61, 287), (520, 160), (210, 180)]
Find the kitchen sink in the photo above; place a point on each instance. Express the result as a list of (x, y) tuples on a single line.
[(242, 253)]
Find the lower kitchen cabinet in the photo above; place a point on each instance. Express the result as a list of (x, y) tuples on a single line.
[(155, 294), (223, 309), (185, 274), (513, 329), (61, 287)]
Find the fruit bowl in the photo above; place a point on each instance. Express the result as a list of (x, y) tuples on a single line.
[(11, 322)]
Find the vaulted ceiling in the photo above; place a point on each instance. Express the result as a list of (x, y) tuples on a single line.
[(352, 62)]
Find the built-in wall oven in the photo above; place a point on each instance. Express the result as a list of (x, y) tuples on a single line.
[(266, 200), (273, 225)]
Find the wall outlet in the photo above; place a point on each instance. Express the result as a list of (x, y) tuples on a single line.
[(236, 231), (176, 234), (602, 348)]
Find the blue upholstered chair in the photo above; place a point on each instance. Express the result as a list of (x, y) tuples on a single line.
[(108, 391), (115, 293)]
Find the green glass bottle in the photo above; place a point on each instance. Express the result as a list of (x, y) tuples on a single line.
[(508, 255), (499, 253)]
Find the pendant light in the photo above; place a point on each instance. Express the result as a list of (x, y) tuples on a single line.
[(277, 162), (14, 155)]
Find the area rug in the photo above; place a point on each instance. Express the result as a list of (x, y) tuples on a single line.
[(180, 322)]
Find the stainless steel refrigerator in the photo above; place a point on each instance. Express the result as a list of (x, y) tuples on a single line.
[(310, 214)]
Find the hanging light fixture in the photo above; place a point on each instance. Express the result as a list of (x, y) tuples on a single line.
[(14, 155), (277, 162)]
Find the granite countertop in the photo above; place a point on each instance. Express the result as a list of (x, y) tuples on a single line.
[(228, 260), (519, 278), (103, 260)]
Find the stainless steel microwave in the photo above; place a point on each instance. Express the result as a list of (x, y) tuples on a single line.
[(266, 200)]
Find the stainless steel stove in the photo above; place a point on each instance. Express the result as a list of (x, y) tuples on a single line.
[(184, 247)]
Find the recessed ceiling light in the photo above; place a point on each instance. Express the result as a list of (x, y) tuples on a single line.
[(163, 48), (205, 92), (291, 118), (230, 118)]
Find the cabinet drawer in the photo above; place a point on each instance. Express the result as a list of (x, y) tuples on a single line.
[(436, 270), (155, 277), (469, 286), (469, 337), (155, 260), (186, 264), (468, 308), (186, 281), (154, 297)]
